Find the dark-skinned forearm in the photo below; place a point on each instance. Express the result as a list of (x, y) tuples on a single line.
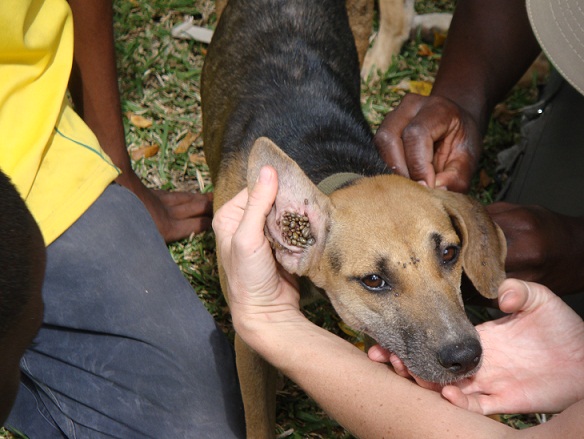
[(490, 45), (94, 81)]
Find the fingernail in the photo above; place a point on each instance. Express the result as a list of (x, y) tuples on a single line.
[(265, 175), (505, 297)]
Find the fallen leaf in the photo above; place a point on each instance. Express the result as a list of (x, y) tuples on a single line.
[(484, 179), (439, 38), (347, 329), (420, 87), (144, 151), (197, 159), (186, 141), (424, 50), (504, 114), (139, 121)]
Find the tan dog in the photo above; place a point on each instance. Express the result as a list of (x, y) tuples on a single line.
[(281, 87)]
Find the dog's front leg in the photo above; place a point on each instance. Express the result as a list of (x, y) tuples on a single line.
[(257, 380), (395, 19)]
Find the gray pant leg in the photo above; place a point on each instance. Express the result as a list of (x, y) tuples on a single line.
[(127, 350)]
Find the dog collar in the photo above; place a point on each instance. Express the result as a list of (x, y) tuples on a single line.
[(336, 181)]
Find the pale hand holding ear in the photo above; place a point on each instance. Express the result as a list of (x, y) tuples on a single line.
[(260, 293)]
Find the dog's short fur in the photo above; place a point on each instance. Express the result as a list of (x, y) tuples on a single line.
[(281, 87), (397, 21)]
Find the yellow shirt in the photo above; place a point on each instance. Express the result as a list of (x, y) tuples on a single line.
[(52, 157)]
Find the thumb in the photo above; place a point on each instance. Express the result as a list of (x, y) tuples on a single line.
[(260, 201), (520, 296), (454, 177), (458, 398)]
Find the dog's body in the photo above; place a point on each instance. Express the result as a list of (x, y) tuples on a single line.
[(388, 252), (397, 21)]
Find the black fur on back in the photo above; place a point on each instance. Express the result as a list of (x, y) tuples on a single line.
[(287, 70)]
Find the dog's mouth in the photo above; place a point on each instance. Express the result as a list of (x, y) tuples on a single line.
[(442, 359), (450, 363)]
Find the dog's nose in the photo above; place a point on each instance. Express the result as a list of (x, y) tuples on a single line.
[(460, 358)]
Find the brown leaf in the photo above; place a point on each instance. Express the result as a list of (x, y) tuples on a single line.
[(144, 151), (439, 38), (424, 50), (187, 141), (484, 179), (504, 114), (197, 159), (139, 121)]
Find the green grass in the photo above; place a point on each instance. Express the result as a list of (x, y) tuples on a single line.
[(159, 80)]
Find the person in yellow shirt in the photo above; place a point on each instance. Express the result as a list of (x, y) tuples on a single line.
[(126, 349)]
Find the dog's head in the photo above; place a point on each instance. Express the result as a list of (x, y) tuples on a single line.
[(389, 254)]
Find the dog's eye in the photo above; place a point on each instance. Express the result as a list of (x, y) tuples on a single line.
[(374, 282), (450, 254)]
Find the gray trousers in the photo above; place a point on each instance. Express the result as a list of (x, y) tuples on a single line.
[(127, 350), (547, 167)]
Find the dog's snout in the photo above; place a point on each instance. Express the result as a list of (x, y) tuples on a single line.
[(460, 358)]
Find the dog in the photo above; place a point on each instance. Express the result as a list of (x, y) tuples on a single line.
[(398, 22), (281, 87)]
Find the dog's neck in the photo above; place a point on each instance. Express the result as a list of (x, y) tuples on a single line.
[(337, 181)]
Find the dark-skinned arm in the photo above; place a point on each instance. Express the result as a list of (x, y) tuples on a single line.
[(490, 45), (437, 139), (94, 89)]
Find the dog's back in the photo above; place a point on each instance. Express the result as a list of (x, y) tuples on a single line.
[(291, 74)]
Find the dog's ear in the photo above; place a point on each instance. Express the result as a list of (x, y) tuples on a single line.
[(483, 244), (298, 202)]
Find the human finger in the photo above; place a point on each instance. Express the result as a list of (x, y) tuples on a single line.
[(470, 402), (227, 219), (183, 205), (378, 354), (455, 176), (180, 229), (388, 138), (259, 203), (520, 296)]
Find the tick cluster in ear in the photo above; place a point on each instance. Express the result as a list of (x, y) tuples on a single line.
[(296, 230)]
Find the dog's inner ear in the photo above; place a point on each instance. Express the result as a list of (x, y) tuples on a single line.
[(299, 220)]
